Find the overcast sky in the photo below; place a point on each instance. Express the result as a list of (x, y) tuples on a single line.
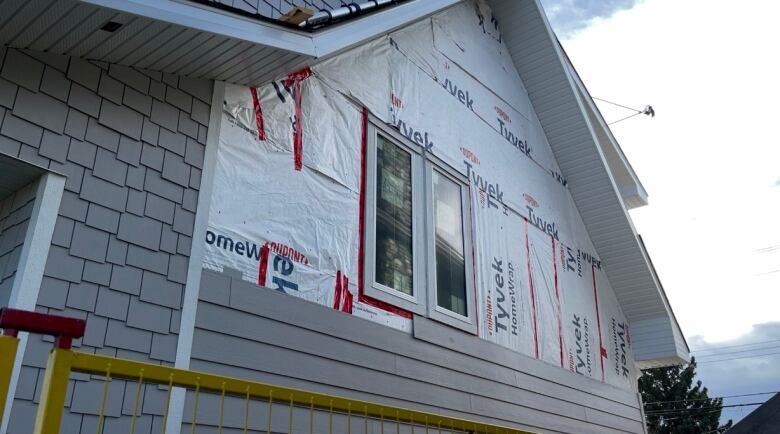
[(710, 161)]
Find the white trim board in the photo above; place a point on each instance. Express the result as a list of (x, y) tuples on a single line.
[(29, 275), (195, 268)]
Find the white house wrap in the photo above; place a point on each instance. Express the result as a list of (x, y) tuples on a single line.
[(448, 85)]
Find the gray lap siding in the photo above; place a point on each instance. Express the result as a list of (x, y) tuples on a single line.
[(246, 331)]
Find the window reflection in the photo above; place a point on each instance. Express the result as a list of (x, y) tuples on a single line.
[(450, 262), (394, 217)]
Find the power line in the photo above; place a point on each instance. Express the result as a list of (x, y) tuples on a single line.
[(627, 117), (662, 412), (682, 417), (735, 346), (648, 110), (737, 358), (713, 397), (616, 104), (738, 352)]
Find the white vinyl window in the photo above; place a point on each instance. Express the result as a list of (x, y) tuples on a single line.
[(418, 232)]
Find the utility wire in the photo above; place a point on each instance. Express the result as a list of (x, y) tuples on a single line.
[(738, 352), (619, 105), (737, 358), (683, 410), (713, 397), (683, 417), (648, 110), (627, 117), (735, 346)]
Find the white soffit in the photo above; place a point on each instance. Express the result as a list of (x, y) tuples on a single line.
[(630, 187), (72, 27), (563, 113), (189, 39)]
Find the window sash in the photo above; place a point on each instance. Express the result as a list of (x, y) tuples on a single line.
[(435, 311), (423, 300), (416, 301)]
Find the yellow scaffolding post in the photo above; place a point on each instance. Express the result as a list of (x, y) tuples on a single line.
[(55, 387), (8, 346)]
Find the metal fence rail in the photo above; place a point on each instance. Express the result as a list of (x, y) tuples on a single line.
[(360, 415)]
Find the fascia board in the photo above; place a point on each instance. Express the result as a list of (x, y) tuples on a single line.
[(593, 137), (215, 21), (319, 44), (558, 51), (602, 124), (353, 32)]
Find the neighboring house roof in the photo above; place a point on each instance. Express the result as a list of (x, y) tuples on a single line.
[(196, 40), (763, 420)]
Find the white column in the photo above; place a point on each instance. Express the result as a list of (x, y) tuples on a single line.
[(32, 261), (192, 287)]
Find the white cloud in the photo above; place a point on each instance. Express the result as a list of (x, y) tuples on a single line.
[(570, 16), (709, 159)]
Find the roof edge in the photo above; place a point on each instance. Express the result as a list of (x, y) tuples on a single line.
[(208, 19), (321, 43), (634, 193)]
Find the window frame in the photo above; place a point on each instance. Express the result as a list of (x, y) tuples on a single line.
[(415, 302), (466, 322), (423, 300)]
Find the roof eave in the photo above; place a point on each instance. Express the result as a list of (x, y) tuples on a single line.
[(321, 43), (628, 182), (592, 181)]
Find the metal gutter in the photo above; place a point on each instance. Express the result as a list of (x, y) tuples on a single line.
[(203, 16), (324, 16), (341, 37), (216, 21)]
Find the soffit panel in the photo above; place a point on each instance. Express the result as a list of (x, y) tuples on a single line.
[(72, 28)]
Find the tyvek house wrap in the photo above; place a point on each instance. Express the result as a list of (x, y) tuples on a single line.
[(287, 203)]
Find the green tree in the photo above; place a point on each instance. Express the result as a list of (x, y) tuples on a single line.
[(675, 405)]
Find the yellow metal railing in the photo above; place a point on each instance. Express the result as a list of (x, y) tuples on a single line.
[(8, 346), (63, 361)]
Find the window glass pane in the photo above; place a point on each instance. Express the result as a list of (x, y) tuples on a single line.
[(393, 216), (450, 260)]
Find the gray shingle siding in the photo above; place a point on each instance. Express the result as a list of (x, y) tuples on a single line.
[(117, 257), (15, 212)]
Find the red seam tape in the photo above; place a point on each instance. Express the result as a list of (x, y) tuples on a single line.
[(346, 302), (557, 299), (263, 266), (533, 295), (337, 292), (294, 80), (602, 350), (258, 113)]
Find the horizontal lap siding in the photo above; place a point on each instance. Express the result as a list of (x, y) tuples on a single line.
[(249, 332)]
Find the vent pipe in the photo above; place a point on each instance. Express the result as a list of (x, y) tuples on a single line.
[(327, 16)]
